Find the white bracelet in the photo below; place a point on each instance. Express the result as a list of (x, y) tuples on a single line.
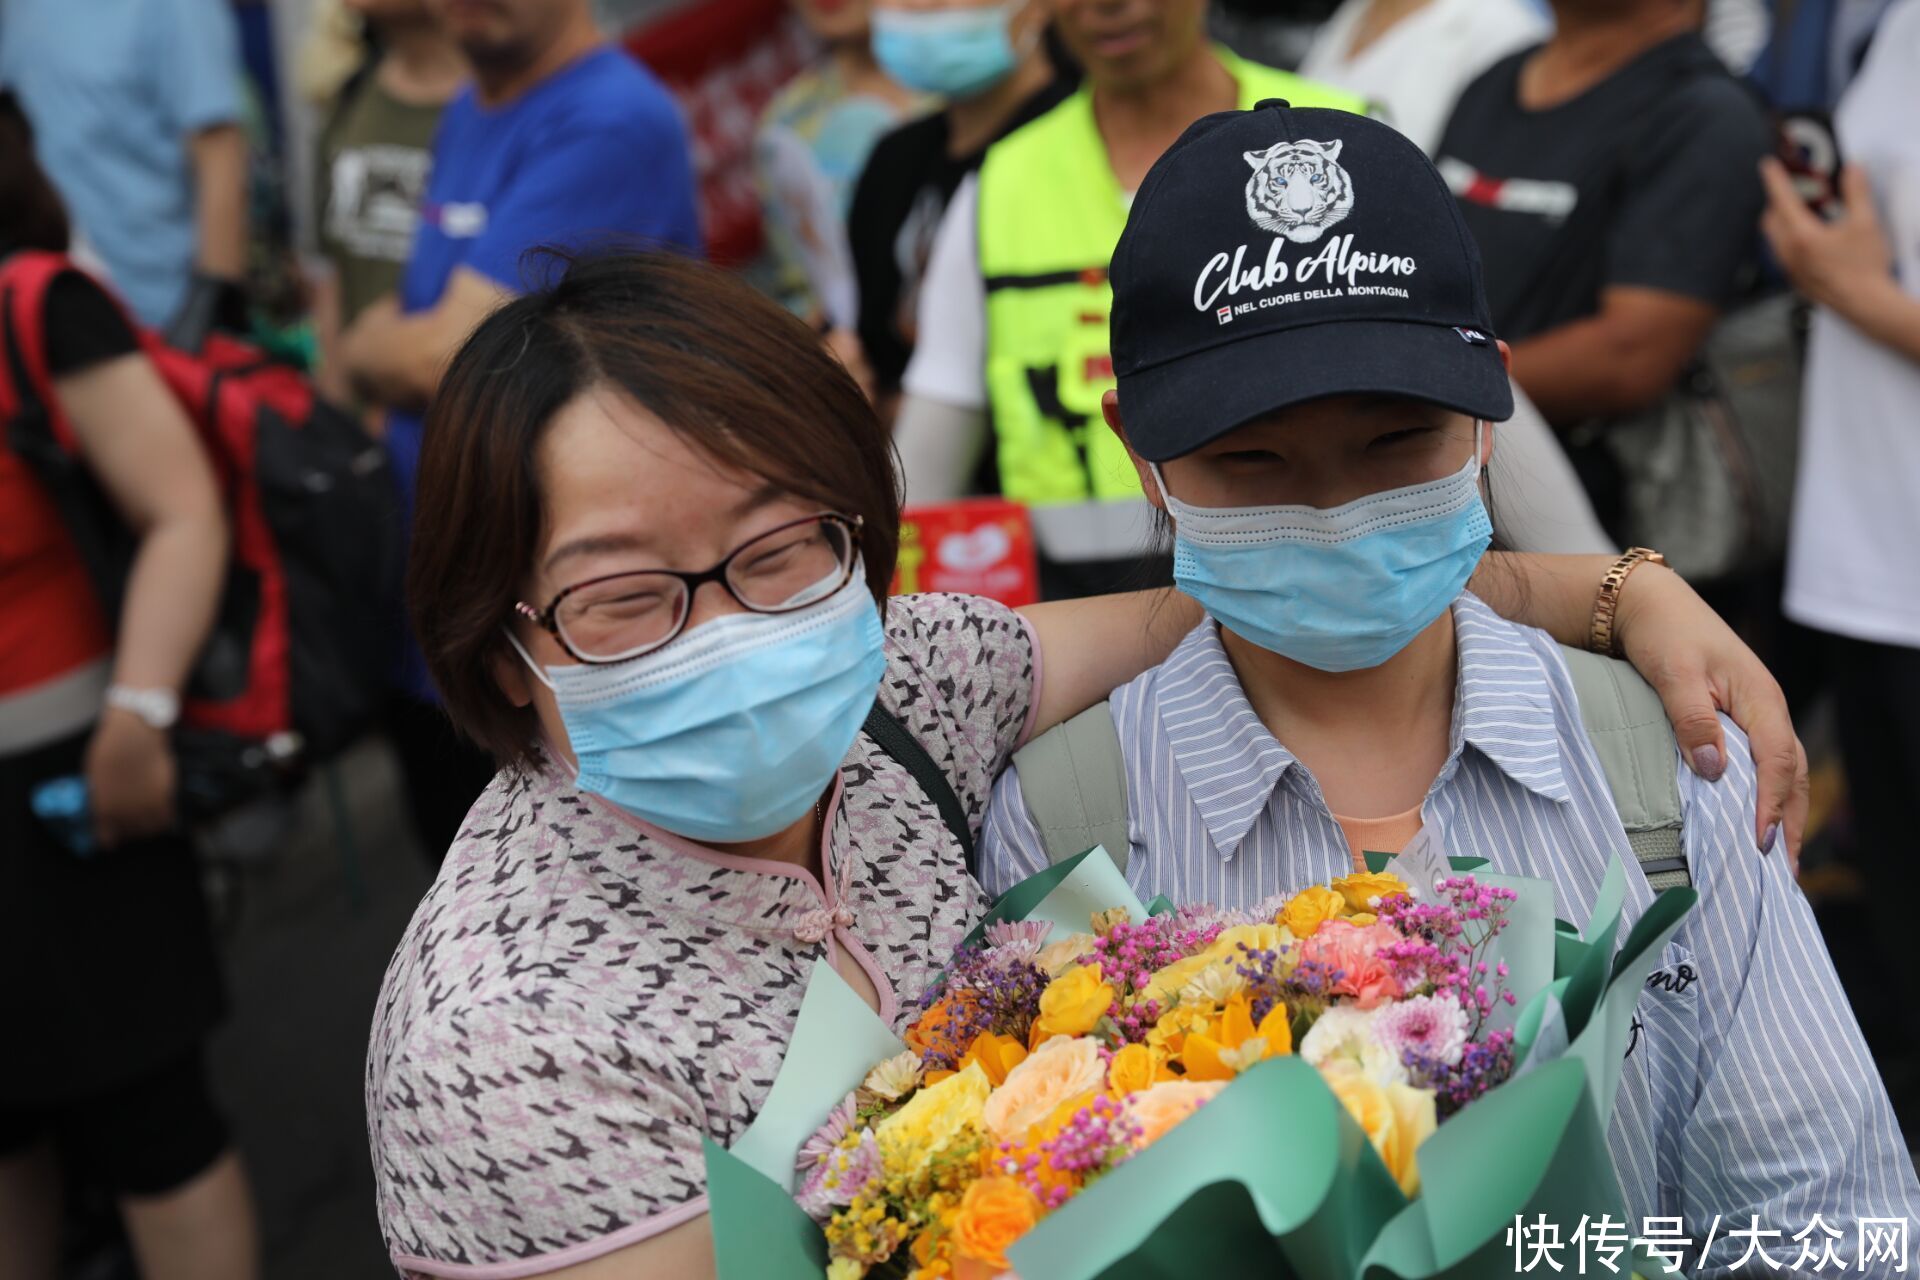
[(160, 708)]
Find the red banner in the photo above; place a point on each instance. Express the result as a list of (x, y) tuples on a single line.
[(981, 547), (723, 60)]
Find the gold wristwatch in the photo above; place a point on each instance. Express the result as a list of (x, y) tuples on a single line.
[(1601, 639)]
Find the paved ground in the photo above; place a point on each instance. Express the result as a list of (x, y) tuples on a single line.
[(310, 936)]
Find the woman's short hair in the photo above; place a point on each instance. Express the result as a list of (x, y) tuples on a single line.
[(732, 372)]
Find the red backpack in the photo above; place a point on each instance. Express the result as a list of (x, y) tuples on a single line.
[(302, 648)]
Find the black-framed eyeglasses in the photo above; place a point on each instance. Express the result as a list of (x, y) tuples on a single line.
[(624, 615)]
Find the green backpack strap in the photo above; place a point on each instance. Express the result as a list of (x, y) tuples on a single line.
[(1075, 783), (1628, 727)]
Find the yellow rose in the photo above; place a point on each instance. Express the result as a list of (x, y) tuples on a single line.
[(1136, 1067), (845, 1269), (1054, 958), (933, 1120), (1361, 890), (1396, 1118), (1310, 908), (1234, 1043), (993, 1214), (996, 1055), (1156, 1110), (1061, 1069), (1228, 950), (1071, 1004)]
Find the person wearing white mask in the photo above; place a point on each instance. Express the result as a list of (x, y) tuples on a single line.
[(1317, 447), (1411, 58), (657, 527)]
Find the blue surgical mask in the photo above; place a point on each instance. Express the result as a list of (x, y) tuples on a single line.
[(956, 53), (1339, 589), (735, 729)]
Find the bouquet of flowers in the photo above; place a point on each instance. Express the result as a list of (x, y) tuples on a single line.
[(1196, 1091)]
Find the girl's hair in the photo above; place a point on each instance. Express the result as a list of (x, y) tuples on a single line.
[(732, 372), (31, 215)]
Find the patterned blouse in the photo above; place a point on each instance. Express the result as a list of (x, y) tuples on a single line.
[(581, 996)]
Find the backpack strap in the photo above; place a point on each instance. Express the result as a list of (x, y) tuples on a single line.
[(1628, 728), (25, 277), (1075, 784), (893, 738)]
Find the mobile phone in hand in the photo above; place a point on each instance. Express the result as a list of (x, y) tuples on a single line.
[(1807, 145), (62, 807)]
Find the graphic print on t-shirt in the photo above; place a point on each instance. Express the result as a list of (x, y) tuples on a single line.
[(1550, 200), (374, 199)]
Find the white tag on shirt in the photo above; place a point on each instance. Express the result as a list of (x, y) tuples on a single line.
[(1422, 865)]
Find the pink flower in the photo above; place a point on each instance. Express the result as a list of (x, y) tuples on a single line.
[(1015, 942), (1432, 1027), (1366, 977), (839, 1124)]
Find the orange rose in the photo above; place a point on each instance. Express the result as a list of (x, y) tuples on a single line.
[(996, 1055), (1158, 1109), (994, 1213), (932, 1033)]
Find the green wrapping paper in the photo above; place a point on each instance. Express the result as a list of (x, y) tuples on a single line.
[(1272, 1178)]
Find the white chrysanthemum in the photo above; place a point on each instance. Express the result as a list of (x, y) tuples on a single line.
[(1346, 1034), (1214, 985), (896, 1077), (1435, 1027)]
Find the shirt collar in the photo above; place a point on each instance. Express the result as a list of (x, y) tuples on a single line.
[(1503, 706), (1229, 759), (1232, 763)]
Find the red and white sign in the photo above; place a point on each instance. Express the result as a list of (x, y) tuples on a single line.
[(980, 546)]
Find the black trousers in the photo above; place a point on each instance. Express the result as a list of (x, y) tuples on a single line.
[(1877, 699)]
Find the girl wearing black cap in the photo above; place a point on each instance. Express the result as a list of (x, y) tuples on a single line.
[(1307, 384)]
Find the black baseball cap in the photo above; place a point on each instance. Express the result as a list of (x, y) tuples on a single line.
[(1280, 255)]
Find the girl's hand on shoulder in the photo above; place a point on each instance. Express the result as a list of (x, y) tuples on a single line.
[(1700, 668)]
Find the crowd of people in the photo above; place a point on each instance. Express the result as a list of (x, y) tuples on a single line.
[(1402, 367)]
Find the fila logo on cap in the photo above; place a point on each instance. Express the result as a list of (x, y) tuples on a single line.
[(1298, 189), (1225, 314)]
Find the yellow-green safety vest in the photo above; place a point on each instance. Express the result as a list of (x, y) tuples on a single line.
[(1050, 214)]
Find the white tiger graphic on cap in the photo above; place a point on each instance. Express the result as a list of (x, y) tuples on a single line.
[(1298, 189)]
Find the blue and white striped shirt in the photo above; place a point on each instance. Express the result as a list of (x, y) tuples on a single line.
[(1748, 1092)]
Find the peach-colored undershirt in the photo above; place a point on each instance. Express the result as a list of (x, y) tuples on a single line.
[(1380, 835)]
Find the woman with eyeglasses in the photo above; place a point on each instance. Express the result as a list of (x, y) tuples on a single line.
[(656, 527)]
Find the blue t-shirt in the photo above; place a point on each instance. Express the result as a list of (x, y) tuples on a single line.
[(114, 89), (594, 153)]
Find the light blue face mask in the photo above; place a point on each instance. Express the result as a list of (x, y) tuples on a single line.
[(1338, 589), (735, 729), (956, 53)]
